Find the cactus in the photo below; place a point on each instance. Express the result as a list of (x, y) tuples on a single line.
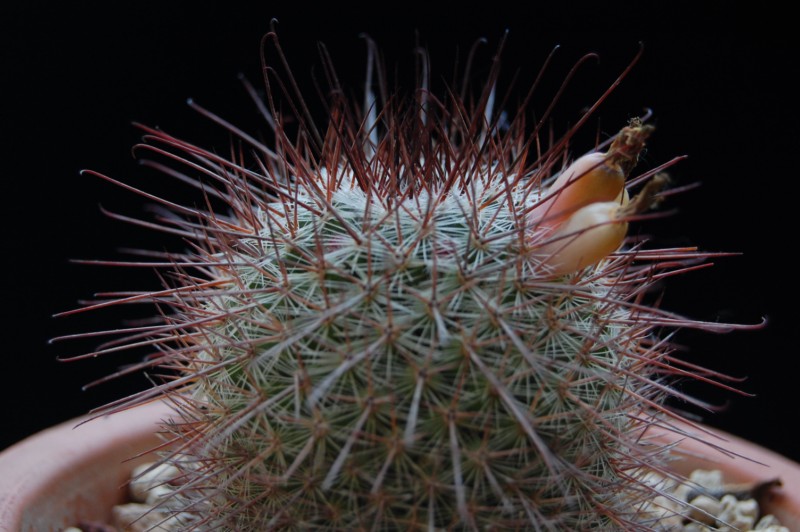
[(413, 317)]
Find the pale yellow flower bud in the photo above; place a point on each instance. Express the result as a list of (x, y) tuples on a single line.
[(587, 237), (595, 231)]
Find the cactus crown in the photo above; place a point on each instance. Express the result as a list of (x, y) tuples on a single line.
[(408, 321)]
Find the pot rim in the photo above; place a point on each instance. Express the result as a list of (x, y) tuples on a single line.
[(34, 475), (70, 462)]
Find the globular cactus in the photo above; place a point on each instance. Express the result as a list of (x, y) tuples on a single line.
[(413, 317)]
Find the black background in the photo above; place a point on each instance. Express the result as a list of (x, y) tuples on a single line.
[(74, 78)]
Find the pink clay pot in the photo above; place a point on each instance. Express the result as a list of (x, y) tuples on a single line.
[(67, 474), (741, 462)]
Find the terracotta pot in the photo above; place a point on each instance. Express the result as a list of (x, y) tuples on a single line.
[(65, 475), (744, 462), (69, 474)]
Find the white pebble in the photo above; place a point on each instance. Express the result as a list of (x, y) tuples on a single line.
[(770, 523), (696, 527), (657, 480), (135, 517), (705, 509), (158, 494), (709, 480), (664, 511), (736, 514), (681, 491), (766, 521), (700, 481), (148, 476)]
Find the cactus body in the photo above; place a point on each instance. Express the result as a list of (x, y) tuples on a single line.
[(370, 332), (413, 370)]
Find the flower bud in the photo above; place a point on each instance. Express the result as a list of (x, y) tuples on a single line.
[(588, 236), (595, 177), (596, 230)]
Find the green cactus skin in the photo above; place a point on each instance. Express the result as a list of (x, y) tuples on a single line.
[(363, 337)]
